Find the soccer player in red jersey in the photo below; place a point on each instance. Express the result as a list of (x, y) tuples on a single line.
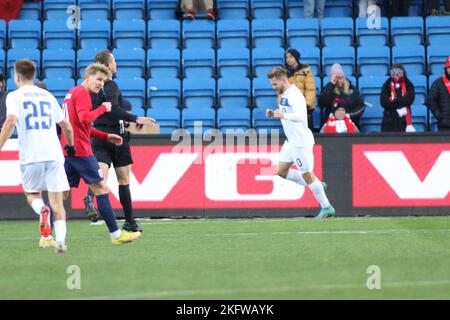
[(80, 161)]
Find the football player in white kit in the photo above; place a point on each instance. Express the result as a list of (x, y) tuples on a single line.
[(298, 147), (36, 112)]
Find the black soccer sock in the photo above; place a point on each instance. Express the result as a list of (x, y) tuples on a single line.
[(125, 200)]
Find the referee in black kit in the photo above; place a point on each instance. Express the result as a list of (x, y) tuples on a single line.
[(107, 153)]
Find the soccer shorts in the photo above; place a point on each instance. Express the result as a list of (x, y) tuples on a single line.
[(106, 152), (82, 167), (44, 176), (303, 157)]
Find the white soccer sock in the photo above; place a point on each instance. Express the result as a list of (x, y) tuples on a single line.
[(37, 205), (116, 234), (60, 231), (294, 175), (317, 188)]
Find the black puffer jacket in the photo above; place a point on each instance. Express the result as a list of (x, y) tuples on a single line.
[(439, 103), (355, 103), (391, 120)]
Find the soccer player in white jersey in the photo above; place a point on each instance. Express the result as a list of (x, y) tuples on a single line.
[(298, 148), (35, 112)]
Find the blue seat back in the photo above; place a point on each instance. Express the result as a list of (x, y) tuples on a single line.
[(265, 59), (407, 31), (233, 92), (233, 62), (131, 62), (412, 58), (128, 35), (199, 34), (164, 93), (302, 33), (199, 92), (233, 35), (24, 34), (263, 94), (56, 35), (198, 62), (163, 63), (372, 32), (374, 61), (163, 35), (58, 63), (268, 33)]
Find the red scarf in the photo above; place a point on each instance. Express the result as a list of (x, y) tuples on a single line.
[(404, 93), (447, 83), (330, 125)]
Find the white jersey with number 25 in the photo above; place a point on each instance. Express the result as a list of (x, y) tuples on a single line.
[(38, 112)]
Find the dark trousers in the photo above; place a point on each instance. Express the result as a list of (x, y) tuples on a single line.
[(399, 8), (434, 4)]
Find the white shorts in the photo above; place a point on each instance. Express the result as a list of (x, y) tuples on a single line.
[(303, 157), (44, 176)]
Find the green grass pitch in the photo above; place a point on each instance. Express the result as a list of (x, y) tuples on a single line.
[(235, 259)]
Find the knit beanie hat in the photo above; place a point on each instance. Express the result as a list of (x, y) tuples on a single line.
[(339, 103), (295, 54), (337, 70)]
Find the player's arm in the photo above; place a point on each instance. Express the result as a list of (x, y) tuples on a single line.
[(7, 129), (68, 131), (298, 114), (113, 138), (111, 92), (84, 109)]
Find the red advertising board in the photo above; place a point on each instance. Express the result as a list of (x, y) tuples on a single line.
[(401, 175)]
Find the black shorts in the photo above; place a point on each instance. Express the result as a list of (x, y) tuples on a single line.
[(106, 152)]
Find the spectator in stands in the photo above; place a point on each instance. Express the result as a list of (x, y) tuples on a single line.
[(2, 100), (191, 7), (397, 96), (363, 5), (341, 87), (301, 75), (339, 120), (314, 8), (439, 98), (434, 8), (399, 8)]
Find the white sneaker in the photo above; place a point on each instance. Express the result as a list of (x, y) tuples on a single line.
[(60, 248)]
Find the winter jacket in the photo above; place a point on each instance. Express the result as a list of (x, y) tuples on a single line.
[(439, 103), (391, 120), (304, 80), (354, 101)]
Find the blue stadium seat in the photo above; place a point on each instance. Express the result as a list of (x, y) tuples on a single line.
[(129, 34), (433, 78), (295, 9), (57, 9), (438, 30), (134, 91), (2, 33), (199, 34), (267, 9), (374, 61), (164, 93), (263, 94), (436, 56), (370, 89), (161, 9), (94, 34), (416, 8), (268, 33), (2, 61), (199, 92), (264, 59), (344, 56), (58, 63), (337, 31), (233, 9), (233, 119), (371, 119), (128, 9), (338, 8), (412, 58), (10, 85), (30, 11), (311, 57), (233, 93), (24, 34), (94, 9), (302, 33), (131, 62), (263, 124), (204, 117), (167, 118), (318, 83), (59, 87), (85, 57), (233, 62), (164, 35), (198, 62), (419, 115), (16, 54), (375, 36), (56, 35), (317, 118), (163, 63), (233, 35), (420, 88), (407, 31)]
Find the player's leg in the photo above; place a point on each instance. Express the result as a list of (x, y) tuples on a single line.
[(284, 164), (123, 177)]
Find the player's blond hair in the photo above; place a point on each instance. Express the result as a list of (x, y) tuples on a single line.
[(277, 72), (97, 67)]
